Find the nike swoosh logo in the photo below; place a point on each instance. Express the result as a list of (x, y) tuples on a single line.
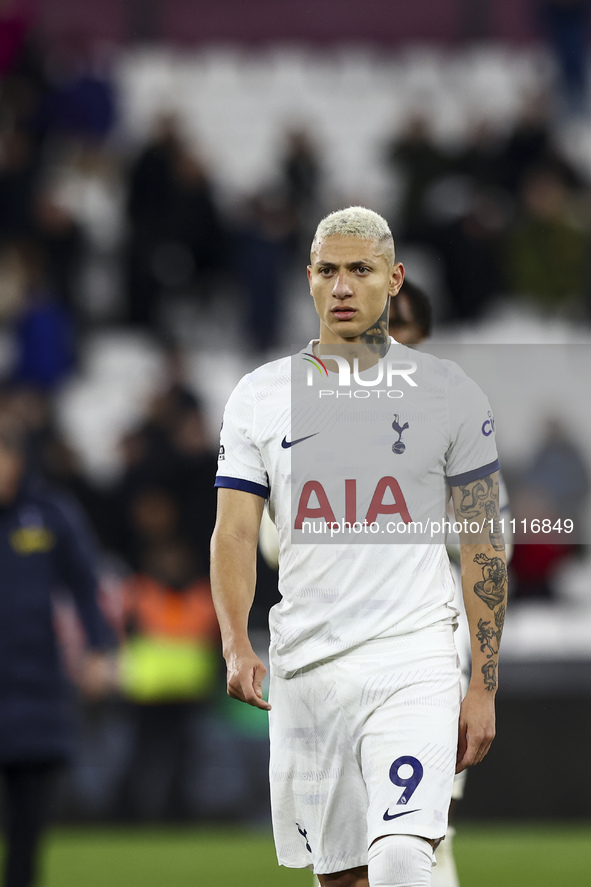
[(286, 444), (389, 816)]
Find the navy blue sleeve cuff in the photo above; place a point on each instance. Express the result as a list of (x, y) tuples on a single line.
[(247, 486), (475, 474)]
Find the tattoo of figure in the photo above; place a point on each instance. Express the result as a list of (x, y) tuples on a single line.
[(378, 334), (485, 635), (489, 670), (493, 587), (481, 498), (500, 622), (474, 497), (495, 534)]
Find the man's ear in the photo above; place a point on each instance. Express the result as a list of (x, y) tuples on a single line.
[(309, 271), (396, 279)]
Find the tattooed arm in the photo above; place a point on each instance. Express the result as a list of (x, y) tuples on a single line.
[(484, 586)]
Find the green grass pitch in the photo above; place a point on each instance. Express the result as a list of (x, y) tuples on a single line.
[(506, 855), (535, 855)]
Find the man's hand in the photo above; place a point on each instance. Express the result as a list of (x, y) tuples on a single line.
[(476, 728), (245, 678), (98, 674)]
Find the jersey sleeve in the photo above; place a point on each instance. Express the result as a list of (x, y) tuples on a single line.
[(472, 452), (240, 464)]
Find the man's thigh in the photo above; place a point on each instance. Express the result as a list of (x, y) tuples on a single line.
[(362, 746), (318, 797), (406, 740)]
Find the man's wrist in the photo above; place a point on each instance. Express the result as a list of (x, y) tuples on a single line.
[(481, 686), (235, 646)]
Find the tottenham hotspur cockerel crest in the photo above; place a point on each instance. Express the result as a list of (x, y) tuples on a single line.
[(399, 446)]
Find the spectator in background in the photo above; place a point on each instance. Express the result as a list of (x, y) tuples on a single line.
[(60, 464), (547, 249), (300, 175), (565, 24), (479, 157), (151, 516), (80, 103), (170, 666), (490, 211), (554, 486), (421, 163), (61, 241), (150, 176), (411, 319), (470, 249), (177, 235), (301, 170), (453, 204), (44, 332), (166, 488), (559, 470), (32, 408), (51, 456), (18, 171), (150, 184), (263, 240), (529, 142), (194, 223), (45, 548)]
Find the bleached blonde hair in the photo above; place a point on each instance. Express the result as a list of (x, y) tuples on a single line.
[(357, 221)]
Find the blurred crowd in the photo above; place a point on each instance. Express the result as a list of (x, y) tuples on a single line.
[(81, 215), (92, 226), (95, 231), (506, 218)]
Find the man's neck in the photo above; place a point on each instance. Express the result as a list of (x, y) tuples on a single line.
[(367, 349), (377, 336)]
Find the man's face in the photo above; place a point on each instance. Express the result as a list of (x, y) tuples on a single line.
[(350, 281)]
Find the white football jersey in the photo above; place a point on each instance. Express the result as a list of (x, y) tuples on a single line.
[(372, 461)]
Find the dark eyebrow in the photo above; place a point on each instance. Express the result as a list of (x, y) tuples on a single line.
[(361, 263)]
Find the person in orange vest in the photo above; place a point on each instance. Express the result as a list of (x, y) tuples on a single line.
[(170, 664)]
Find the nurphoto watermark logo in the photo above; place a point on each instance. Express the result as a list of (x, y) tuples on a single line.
[(351, 381)]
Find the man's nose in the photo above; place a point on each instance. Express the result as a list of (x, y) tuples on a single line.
[(342, 287)]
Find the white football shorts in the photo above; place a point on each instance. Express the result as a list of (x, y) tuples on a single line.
[(364, 745)]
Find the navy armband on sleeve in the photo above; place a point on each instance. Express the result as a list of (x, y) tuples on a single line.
[(247, 486), (476, 473)]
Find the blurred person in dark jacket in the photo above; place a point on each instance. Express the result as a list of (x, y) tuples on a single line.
[(421, 162), (45, 549), (301, 174), (176, 233), (264, 239), (470, 247)]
